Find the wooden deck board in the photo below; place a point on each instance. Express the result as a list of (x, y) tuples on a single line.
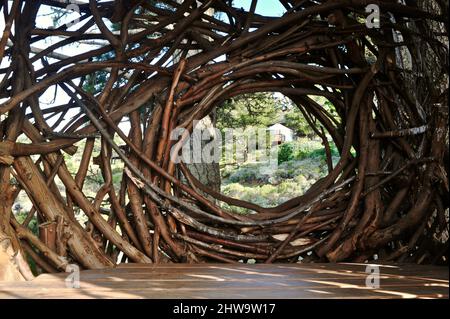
[(238, 281)]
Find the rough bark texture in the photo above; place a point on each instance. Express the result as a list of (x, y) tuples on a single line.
[(206, 173), (170, 64)]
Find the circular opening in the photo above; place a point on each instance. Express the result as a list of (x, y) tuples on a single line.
[(301, 156), (272, 150)]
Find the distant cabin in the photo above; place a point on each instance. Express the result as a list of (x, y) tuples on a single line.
[(281, 133)]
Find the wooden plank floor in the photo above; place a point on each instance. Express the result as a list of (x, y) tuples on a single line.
[(239, 281)]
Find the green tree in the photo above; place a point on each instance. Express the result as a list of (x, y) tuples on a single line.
[(256, 109), (295, 120)]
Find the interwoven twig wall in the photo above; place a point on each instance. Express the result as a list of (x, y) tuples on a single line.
[(169, 64)]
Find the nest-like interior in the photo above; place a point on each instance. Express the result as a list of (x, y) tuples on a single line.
[(165, 65)]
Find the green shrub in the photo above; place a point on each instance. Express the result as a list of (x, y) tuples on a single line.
[(33, 225), (314, 149), (285, 152), (301, 164), (243, 175)]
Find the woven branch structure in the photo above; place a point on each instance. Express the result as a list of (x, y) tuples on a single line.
[(168, 64)]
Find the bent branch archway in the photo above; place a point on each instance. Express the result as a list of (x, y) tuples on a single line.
[(166, 65)]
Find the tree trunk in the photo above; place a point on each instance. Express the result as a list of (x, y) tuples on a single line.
[(207, 173)]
